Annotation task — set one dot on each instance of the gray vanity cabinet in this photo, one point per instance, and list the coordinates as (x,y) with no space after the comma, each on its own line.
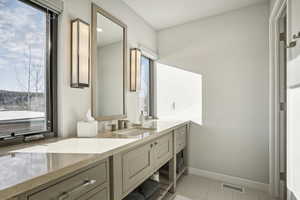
(134,166)
(163,150)
(119,174)
(141,162)
(137,164)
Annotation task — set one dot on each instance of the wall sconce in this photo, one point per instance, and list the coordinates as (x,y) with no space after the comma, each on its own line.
(80,58)
(135,69)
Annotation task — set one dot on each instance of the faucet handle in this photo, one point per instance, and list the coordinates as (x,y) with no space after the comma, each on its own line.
(120,124)
(113,127)
(126,123)
(296,36)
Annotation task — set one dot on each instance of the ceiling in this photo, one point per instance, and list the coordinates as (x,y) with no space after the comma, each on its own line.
(162,14)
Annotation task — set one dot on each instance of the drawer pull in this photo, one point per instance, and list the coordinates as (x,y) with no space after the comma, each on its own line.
(67,195)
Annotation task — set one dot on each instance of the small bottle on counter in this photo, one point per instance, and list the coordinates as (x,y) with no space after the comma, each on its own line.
(126,124)
(142,118)
(120,124)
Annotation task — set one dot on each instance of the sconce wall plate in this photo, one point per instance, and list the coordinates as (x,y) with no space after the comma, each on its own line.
(80,50)
(135,69)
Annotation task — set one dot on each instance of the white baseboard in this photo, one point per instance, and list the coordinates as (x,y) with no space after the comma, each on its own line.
(229,179)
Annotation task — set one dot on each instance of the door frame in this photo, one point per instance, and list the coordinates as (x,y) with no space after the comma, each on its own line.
(274,101)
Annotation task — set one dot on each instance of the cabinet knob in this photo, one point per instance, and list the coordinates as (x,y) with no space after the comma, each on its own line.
(292,44)
(80,188)
(151,145)
(296,36)
(155,143)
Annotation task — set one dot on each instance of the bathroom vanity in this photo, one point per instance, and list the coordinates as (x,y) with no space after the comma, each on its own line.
(111,165)
(47,171)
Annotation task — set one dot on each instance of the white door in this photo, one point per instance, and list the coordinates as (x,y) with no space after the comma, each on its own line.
(293,102)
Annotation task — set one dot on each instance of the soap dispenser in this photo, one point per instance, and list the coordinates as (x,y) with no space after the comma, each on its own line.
(142,118)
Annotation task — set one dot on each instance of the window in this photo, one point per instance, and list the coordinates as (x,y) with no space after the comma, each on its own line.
(145,94)
(27,69)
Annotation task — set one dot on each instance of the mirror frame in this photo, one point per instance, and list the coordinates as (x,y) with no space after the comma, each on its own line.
(95,10)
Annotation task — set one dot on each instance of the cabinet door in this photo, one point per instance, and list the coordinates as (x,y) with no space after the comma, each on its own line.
(163,150)
(180,135)
(137,164)
(293,69)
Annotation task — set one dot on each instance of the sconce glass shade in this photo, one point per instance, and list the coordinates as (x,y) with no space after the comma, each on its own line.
(135,69)
(80,66)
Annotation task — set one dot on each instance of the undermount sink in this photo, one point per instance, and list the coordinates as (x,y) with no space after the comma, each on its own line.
(134,133)
(149,125)
(137,131)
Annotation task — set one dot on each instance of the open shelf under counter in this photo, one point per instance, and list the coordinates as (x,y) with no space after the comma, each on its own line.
(165,186)
(184,169)
(168,196)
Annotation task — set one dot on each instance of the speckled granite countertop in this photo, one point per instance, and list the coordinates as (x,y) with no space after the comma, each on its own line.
(25,167)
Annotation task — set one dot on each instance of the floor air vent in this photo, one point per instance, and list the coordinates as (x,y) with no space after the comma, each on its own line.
(232,187)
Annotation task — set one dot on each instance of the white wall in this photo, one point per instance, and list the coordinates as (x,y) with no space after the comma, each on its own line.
(231,53)
(74,103)
(272,3)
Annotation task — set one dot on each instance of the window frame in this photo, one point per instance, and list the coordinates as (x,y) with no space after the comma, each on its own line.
(51,81)
(151,85)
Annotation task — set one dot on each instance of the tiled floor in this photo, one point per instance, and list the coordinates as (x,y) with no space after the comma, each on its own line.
(197,188)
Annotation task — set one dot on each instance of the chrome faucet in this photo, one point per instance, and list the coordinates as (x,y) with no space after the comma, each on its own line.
(122,124)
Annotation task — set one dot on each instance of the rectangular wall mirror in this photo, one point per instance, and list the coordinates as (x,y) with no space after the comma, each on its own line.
(109,52)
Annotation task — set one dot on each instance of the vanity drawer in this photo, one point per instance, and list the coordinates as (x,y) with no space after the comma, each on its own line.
(98,193)
(163,150)
(74,187)
(180,135)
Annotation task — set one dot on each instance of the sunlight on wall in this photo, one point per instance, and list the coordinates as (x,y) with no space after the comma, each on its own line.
(179,94)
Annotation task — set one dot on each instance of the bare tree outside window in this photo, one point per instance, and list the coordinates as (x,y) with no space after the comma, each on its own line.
(34,82)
